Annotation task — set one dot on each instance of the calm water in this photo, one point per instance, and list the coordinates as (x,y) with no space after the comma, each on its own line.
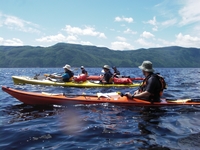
(101,126)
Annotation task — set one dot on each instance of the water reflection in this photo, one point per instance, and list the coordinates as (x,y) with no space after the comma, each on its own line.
(23,112)
(150,117)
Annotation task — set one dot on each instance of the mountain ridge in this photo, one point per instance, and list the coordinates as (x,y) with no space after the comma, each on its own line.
(93,56)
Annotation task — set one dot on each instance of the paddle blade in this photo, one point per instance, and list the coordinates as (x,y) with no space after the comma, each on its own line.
(178,100)
(46,75)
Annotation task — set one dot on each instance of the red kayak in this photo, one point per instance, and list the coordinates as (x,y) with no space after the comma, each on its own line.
(43,98)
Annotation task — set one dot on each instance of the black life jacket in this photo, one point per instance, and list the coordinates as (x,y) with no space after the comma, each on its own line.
(108,77)
(71,74)
(116,72)
(161,81)
(84,72)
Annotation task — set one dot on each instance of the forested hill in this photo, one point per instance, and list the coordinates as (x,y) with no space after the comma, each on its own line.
(92,56)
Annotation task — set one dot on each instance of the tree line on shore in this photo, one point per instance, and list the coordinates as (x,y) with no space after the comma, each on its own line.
(92,56)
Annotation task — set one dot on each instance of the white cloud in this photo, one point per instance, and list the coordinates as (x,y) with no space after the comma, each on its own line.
(165,43)
(129,31)
(53,38)
(1,39)
(181,40)
(190,13)
(155,28)
(144,43)
(120,19)
(197,29)
(121,38)
(147,35)
(169,22)
(102,35)
(187,40)
(121,46)
(11,42)
(86,43)
(15,23)
(152,22)
(71,38)
(61,38)
(89,31)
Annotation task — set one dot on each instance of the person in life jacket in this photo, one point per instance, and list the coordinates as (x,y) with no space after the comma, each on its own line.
(67,76)
(108,76)
(83,71)
(116,72)
(151,87)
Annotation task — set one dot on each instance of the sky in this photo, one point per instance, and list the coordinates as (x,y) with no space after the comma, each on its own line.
(115,24)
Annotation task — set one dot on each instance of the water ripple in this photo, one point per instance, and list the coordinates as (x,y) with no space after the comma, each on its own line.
(101,126)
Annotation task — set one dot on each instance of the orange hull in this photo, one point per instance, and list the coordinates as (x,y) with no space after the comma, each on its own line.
(34,98)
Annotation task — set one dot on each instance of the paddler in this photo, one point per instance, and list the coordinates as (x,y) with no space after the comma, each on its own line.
(116,72)
(108,76)
(67,76)
(151,87)
(83,71)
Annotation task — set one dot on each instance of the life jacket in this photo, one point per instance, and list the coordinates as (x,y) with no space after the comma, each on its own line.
(71,74)
(80,78)
(84,72)
(108,77)
(116,73)
(161,80)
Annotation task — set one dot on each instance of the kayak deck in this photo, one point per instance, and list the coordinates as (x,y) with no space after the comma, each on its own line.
(34,98)
(28,80)
(97,78)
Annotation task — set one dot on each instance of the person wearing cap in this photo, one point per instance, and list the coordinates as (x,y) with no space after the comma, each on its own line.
(150,88)
(116,72)
(67,76)
(83,71)
(108,76)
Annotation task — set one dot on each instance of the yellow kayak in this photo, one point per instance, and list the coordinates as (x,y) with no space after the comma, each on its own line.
(29,80)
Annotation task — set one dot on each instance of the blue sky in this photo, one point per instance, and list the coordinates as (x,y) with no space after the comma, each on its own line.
(115,24)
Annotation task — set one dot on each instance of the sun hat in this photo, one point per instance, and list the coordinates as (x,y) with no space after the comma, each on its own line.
(146,66)
(82,67)
(106,67)
(68,67)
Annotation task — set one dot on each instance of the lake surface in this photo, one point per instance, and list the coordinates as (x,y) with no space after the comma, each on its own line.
(102,126)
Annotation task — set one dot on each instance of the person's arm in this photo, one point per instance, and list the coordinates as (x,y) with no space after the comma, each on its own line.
(142,95)
(55,77)
(149,89)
